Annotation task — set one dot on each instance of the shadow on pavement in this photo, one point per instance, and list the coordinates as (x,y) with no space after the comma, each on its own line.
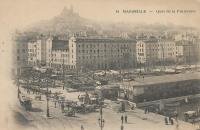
(20,119)
(36,110)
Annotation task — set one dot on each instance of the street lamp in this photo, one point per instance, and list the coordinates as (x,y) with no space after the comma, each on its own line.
(101,120)
(47,96)
(63,72)
(140,67)
(18,91)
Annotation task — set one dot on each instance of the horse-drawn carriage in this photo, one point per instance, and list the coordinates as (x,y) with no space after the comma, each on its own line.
(69,112)
(25,102)
(38,97)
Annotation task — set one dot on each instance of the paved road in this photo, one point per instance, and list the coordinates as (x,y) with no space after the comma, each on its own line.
(136,119)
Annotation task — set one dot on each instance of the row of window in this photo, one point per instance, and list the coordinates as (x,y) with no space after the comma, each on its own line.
(97,57)
(62,55)
(100,63)
(60,60)
(32,50)
(141,58)
(142,50)
(158,45)
(166,45)
(98,51)
(31,54)
(97,45)
(23,51)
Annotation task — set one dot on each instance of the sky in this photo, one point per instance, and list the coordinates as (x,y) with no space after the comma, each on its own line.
(20,13)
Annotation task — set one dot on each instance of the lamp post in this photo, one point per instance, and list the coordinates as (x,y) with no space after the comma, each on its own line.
(140,67)
(18,91)
(47,96)
(101,120)
(63,73)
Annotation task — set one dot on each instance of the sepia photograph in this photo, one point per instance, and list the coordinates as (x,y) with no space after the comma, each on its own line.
(100,64)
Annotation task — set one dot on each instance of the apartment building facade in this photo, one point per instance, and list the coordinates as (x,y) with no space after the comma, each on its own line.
(20,56)
(102,53)
(37,52)
(166,51)
(188,52)
(147,51)
(83,53)
(60,55)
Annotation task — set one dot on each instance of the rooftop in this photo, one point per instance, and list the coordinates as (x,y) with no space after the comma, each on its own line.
(59,44)
(165,79)
(183,42)
(86,39)
(110,86)
(149,41)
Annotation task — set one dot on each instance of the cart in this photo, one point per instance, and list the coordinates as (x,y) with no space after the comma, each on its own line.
(69,112)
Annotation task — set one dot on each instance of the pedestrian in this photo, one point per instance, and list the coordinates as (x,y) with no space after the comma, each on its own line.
(18,93)
(68,106)
(176,115)
(122,127)
(62,107)
(122,119)
(193,122)
(125,118)
(171,121)
(145,110)
(82,128)
(55,104)
(186,100)
(166,121)
(170,118)
(157,110)
(177,125)
(132,107)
